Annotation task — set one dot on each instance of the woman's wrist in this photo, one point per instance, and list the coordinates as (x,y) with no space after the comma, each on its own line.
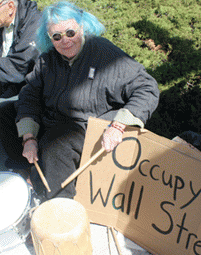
(120,126)
(28,137)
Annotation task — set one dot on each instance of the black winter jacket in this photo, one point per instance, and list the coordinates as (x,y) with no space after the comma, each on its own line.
(56,91)
(23,53)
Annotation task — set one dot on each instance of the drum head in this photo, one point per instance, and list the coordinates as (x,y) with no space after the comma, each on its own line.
(14,197)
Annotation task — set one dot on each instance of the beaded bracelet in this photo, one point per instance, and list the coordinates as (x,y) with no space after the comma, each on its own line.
(29,138)
(114,125)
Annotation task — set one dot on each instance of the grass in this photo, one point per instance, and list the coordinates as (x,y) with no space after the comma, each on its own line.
(164,36)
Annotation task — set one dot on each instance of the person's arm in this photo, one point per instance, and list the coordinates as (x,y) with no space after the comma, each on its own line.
(30,148)
(124,116)
(28,129)
(30,103)
(113,135)
(15,66)
(21,57)
(140,96)
(29,110)
(27,125)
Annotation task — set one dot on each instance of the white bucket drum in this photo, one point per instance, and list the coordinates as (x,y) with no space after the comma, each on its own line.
(16,200)
(60,226)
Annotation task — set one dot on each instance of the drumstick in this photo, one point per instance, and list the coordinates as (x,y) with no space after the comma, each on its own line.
(115,240)
(42,176)
(81,169)
(109,238)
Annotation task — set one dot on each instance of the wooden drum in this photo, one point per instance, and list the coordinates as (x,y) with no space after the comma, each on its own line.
(60,226)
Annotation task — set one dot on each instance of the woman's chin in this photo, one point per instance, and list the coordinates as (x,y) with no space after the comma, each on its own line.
(69,54)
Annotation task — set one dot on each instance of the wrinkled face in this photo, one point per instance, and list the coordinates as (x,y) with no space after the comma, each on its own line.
(67,46)
(7,11)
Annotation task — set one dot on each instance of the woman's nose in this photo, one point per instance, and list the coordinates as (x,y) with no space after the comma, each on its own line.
(65,38)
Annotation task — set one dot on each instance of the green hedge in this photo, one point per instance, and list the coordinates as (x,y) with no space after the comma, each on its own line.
(164,36)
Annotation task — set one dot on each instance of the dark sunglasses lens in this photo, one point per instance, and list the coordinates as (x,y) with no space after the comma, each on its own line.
(56,37)
(70,33)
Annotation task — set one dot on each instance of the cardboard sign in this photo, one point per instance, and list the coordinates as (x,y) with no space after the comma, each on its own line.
(148,188)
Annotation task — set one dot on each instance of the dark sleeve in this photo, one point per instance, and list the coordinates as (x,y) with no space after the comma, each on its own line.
(134,89)
(30,103)
(15,66)
(144,97)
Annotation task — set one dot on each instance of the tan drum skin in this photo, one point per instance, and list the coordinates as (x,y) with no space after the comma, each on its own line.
(60,226)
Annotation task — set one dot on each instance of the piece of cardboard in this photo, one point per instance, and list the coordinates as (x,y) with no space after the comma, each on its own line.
(148,188)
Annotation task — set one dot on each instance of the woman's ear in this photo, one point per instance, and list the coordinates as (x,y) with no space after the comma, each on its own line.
(12,8)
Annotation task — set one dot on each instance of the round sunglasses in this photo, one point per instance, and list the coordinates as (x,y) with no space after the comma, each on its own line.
(69,33)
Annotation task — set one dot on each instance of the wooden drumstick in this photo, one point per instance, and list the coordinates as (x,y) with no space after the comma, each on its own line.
(115,240)
(109,239)
(42,176)
(81,169)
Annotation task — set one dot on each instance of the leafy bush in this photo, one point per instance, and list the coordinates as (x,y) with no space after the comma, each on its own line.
(164,36)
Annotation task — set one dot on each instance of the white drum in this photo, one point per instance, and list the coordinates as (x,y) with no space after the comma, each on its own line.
(16,200)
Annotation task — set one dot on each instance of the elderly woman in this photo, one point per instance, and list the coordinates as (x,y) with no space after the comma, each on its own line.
(79,74)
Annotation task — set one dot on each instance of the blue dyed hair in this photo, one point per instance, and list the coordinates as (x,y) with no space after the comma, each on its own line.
(62,11)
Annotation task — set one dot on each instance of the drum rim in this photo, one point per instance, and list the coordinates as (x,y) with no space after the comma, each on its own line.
(12,226)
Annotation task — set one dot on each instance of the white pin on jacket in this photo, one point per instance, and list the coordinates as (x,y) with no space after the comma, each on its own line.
(91,73)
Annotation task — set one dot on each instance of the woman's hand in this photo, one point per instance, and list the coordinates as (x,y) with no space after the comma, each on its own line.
(30,150)
(113,136)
